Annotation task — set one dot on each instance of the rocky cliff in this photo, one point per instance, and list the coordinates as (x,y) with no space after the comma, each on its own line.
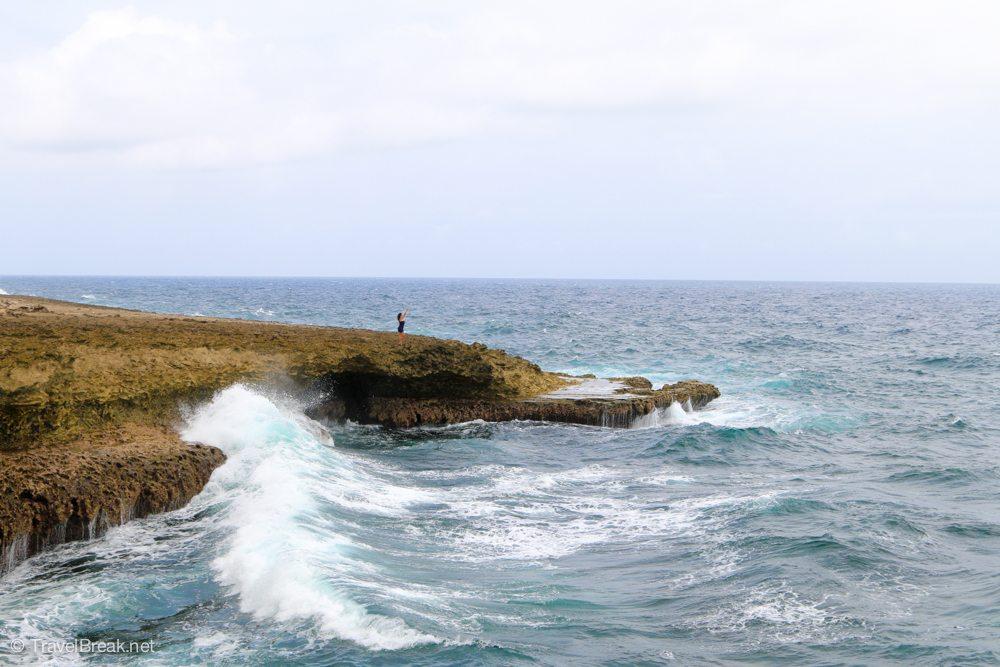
(51,495)
(89,397)
(619,410)
(69,368)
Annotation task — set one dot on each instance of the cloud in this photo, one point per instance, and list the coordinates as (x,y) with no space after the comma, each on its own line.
(121,82)
(141,89)
(146,90)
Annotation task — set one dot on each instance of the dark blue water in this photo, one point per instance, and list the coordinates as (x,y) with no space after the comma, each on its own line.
(839,505)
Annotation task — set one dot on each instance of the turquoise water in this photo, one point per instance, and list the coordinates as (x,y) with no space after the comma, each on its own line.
(839,505)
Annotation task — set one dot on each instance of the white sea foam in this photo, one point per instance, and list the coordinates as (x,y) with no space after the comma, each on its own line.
(779,613)
(672,414)
(222,645)
(291,561)
(275,561)
(557,528)
(557,514)
(3,291)
(80,604)
(47,609)
(731,411)
(87,296)
(357,487)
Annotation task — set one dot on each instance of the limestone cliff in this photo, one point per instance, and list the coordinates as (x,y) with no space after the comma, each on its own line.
(621,409)
(67,368)
(89,397)
(51,495)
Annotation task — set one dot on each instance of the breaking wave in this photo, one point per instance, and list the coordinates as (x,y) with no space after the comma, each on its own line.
(748,413)
(282,550)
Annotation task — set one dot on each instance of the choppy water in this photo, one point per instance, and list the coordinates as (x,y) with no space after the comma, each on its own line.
(839,505)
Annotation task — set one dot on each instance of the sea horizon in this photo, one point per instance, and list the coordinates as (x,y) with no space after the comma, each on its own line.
(508,278)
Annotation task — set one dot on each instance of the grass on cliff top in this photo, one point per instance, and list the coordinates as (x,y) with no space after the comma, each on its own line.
(66,367)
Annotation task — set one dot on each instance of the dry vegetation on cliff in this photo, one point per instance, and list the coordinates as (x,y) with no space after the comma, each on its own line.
(68,368)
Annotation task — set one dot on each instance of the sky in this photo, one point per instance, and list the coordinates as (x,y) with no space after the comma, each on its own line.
(769,140)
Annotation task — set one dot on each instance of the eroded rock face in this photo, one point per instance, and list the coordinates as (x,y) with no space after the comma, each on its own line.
(621,411)
(77,491)
(88,396)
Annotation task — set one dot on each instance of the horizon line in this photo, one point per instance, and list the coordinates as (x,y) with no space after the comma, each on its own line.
(497,278)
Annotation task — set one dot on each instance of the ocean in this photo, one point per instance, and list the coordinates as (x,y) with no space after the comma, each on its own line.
(840,504)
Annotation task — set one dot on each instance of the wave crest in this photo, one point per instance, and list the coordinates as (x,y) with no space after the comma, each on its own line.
(275,559)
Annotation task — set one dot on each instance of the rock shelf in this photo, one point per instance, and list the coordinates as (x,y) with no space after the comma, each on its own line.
(90,398)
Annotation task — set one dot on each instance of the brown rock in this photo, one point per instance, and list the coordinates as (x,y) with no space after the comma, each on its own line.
(78,490)
(616,412)
(68,368)
(634,382)
(88,395)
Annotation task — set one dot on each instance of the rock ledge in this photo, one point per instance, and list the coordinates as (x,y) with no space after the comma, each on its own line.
(89,397)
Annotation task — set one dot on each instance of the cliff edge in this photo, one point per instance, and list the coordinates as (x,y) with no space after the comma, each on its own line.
(90,397)
(68,368)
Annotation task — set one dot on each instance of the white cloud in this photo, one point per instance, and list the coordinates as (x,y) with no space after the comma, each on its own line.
(150,90)
(121,81)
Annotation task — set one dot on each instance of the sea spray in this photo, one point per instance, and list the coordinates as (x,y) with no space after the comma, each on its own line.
(826,510)
(672,414)
(275,558)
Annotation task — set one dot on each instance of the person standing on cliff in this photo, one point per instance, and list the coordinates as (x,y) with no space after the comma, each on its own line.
(401,319)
